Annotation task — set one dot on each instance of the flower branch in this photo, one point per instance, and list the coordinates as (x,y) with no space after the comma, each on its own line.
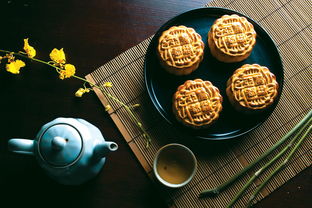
(128,108)
(65,70)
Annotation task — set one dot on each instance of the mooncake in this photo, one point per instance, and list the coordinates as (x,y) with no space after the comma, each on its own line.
(231,38)
(252,88)
(197,103)
(180,50)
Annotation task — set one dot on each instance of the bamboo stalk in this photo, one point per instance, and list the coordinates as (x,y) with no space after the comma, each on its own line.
(267,165)
(217,190)
(279,168)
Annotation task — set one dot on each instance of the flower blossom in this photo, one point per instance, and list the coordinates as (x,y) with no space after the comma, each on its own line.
(15,66)
(107,84)
(58,56)
(31,52)
(107,107)
(68,71)
(81,91)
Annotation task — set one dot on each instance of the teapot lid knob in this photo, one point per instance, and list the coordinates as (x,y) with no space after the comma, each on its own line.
(60,145)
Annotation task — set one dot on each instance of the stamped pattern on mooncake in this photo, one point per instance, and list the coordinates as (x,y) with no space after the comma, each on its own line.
(233,35)
(180,46)
(197,103)
(254,86)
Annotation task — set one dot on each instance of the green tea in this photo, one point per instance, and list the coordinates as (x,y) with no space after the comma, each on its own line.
(175,165)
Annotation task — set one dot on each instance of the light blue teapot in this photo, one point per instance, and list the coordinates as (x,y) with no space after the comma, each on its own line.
(71,151)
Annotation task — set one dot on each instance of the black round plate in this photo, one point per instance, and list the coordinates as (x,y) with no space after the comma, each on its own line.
(161,85)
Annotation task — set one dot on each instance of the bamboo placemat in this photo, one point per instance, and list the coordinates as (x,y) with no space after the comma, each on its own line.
(289,24)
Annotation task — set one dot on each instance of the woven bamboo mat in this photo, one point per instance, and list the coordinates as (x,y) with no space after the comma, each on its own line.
(289,24)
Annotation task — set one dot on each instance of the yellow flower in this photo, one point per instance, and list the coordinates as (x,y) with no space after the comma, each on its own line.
(58,56)
(81,91)
(10,57)
(15,66)
(107,84)
(136,105)
(31,52)
(68,71)
(107,107)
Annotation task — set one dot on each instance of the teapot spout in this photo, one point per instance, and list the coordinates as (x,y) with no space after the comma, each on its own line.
(102,149)
(22,146)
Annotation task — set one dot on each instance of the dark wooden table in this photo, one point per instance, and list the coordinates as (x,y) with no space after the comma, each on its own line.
(91,32)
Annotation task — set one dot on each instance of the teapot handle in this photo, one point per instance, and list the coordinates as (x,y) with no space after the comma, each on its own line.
(22,146)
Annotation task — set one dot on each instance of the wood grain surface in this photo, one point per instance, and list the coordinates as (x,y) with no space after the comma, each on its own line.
(91,32)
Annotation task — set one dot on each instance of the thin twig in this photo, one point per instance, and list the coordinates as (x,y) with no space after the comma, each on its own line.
(34,59)
(134,118)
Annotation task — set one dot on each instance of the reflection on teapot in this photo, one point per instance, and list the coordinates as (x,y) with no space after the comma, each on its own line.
(71,151)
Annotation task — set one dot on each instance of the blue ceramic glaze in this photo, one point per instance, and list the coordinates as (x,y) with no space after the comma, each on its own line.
(71,151)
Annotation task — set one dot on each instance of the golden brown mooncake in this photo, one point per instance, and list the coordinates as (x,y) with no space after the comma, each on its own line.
(180,50)
(231,38)
(197,103)
(252,88)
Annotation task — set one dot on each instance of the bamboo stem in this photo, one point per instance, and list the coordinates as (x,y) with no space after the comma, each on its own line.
(267,165)
(279,168)
(216,191)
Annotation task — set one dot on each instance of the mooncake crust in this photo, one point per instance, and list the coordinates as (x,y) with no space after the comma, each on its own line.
(231,38)
(197,103)
(180,50)
(252,88)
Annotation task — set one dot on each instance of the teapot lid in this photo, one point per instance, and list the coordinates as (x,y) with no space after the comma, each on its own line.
(60,145)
